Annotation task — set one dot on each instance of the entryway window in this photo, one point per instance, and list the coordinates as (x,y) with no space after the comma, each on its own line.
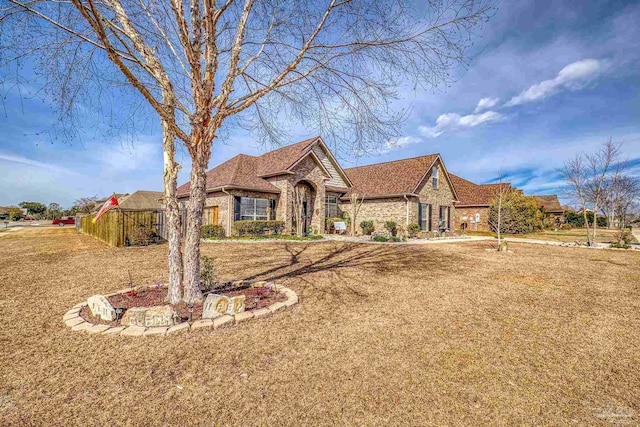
(331,206)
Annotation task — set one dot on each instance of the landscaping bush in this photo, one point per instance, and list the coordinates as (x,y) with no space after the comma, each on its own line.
(577,219)
(391,227)
(208,273)
(382,238)
(213,232)
(622,240)
(367,227)
(413,229)
(140,236)
(258,228)
(520,214)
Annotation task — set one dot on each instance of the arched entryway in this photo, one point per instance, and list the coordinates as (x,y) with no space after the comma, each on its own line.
(304,196)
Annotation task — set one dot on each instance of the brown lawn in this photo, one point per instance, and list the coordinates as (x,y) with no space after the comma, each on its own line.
(603,235)
(448,334)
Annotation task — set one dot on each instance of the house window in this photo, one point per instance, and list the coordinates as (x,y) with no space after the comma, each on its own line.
(434,178)
(331,207)
(443,218)
(249,208)
(424,216)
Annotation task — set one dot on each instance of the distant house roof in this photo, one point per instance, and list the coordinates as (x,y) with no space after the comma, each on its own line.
(472,194)
(550,203)
(250,172)
(142,200)
(394,178)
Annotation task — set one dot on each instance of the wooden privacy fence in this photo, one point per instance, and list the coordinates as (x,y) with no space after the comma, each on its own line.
(116,227)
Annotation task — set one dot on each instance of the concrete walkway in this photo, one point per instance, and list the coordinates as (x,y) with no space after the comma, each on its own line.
(636,233)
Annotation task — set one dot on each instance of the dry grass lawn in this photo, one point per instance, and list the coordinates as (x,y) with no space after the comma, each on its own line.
(447,334)
(603,235)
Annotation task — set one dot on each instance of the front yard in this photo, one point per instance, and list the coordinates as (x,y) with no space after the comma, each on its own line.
(603,235)
(449,334)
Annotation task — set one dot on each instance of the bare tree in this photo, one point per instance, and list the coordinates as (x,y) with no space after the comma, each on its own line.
(356,203)
(576,174)
(500,215)
(620,192)
(205,67)
(299,195)
(599,166)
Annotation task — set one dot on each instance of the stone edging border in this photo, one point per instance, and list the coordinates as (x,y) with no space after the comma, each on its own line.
(73,320)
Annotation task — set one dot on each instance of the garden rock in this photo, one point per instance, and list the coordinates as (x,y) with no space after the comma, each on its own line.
(100,306)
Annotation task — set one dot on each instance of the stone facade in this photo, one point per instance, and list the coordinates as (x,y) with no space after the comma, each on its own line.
(395,209)
(379,211)
(443,195)
(464,215)
(307,171)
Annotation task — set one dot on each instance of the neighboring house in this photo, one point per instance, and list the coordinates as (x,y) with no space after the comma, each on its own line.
(141,200)
(550,206)
(472,210)
(263,187)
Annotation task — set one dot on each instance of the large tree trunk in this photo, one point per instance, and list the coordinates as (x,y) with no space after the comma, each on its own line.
(195,206)
(174,294)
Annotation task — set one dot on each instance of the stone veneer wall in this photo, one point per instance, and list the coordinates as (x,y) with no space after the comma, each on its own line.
(379,211)
(307,170)
(441,196)
(470,212)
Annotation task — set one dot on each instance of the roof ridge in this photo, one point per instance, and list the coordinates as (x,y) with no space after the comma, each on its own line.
(392,161)
(308,140)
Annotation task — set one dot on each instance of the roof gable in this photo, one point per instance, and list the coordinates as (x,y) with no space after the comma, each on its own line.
(391,178)
(549,202)
(438,161)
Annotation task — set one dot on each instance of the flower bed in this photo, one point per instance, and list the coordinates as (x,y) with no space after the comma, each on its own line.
(258,304)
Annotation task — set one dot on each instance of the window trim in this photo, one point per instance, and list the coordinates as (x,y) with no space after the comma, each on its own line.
(238,216)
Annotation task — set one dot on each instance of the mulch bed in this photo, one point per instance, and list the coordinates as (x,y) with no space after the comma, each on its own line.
(151,297)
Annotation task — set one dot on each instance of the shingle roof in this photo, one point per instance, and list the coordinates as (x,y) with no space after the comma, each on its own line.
(240,171)
(142,200)
(549,202)
(472,194)
(280,160)
(396,177)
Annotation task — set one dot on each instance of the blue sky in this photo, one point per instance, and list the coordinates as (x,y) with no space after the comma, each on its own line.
(549,79)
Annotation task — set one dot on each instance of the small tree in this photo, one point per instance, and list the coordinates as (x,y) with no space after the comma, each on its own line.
(356,204)
(519,214)
(33,208)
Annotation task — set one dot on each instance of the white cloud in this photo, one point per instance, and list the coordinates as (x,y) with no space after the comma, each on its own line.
(486,104)
(452,121)
(572,77)
(34,163)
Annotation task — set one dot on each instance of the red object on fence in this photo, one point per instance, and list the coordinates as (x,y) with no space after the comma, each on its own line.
(111,203)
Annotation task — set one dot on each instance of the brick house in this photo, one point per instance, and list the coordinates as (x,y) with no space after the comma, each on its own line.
(472,209)
(550,206)
(262,187)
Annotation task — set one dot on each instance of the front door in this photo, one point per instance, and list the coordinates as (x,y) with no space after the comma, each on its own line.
(305,218)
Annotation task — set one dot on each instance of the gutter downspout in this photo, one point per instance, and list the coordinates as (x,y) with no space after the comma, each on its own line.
(229,201)
(407,219)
